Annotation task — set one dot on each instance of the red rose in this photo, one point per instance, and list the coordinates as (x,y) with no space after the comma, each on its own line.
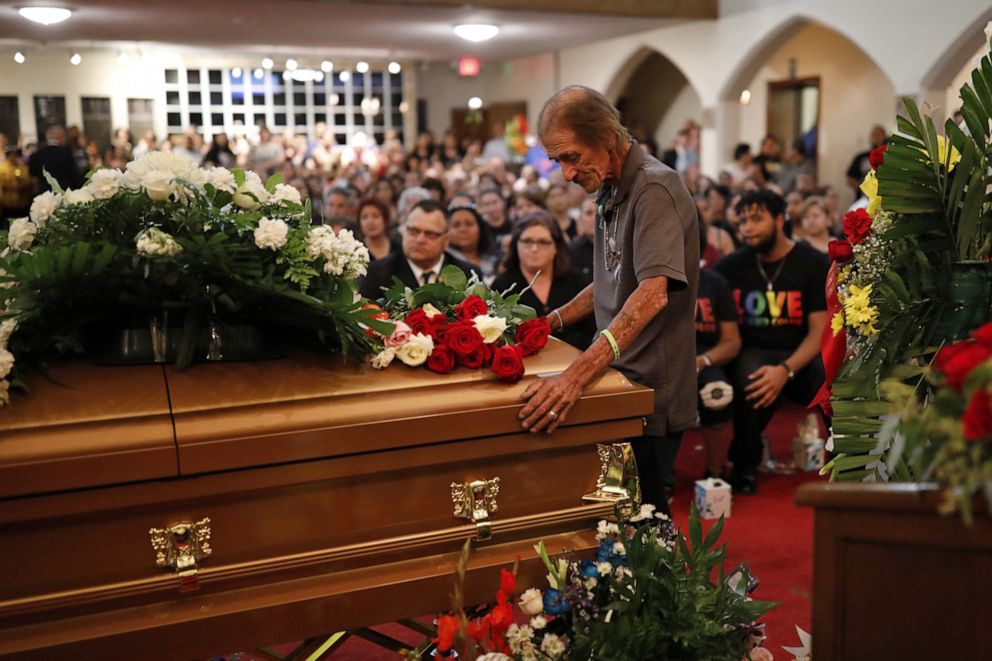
(441,360)
(508,363)
(839,250)
(471,308)
(977,419)
(956,361)
(440,325)
(532,335)
(507,582)
(876,156)
(984,335)
(474,359)
(857,225)
(463,337)
(419,323)
(447,629)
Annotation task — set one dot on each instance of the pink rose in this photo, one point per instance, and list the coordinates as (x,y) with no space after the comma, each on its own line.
(401,333)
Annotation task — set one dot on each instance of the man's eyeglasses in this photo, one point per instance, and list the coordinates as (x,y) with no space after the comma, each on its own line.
(536,243)
(414,232)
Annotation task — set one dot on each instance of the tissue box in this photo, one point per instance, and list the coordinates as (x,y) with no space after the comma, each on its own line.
(713,498)
(808,454)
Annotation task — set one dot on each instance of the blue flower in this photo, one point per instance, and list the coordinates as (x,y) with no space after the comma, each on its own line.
(554,602)
(589,569)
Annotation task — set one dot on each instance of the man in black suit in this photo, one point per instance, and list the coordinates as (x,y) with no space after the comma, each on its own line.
(425,237)
(58,159)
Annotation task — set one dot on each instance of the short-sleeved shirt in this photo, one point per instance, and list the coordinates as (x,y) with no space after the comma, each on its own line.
(648,228)
(714,305)
(776,317)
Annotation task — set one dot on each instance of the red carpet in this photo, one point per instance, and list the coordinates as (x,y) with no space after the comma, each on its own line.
(766,530)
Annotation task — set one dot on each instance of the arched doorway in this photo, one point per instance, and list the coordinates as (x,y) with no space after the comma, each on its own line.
(654,97)
(941,85)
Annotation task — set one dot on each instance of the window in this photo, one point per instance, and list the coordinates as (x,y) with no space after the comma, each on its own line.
(10,118)
(96,120)
(140,116)
(49,111)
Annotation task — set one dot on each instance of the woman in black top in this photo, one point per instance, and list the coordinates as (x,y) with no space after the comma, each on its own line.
(538,254)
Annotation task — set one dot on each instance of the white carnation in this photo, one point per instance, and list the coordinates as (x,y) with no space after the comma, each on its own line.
(538,622)
(343,254)
(531,602)
(159,185)
(271,233)
(646,512)
(519,639)
(416,350)
(7,328)
(491,328)
(284,193)
(21,234)
(104,183)
(618,549)
(43,207)
(221,179)
(382,359)
(553,646)
(605,528)
(251,194)
(6,362)
(604,568)
(179,167)
(80,196)
(156,243)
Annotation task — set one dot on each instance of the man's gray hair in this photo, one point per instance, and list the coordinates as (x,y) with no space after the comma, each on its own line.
(408,200)
(589,115)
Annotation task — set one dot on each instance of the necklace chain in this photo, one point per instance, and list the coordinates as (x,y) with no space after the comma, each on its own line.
(778,272)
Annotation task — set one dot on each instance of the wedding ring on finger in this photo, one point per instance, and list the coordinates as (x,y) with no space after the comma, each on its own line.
(553,415)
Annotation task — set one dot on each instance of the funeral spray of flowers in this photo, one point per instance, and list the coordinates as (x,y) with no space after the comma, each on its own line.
(458,322)
(649,593)
(912,275)
(204,245)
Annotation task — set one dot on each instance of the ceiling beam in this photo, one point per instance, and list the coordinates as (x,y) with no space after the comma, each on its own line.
(665,9)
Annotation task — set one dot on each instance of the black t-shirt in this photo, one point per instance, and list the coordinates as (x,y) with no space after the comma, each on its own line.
(776,318)
(860,165)
(714,305)
(563,289)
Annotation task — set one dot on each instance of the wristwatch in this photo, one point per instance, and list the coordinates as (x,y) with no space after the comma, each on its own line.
(788,369)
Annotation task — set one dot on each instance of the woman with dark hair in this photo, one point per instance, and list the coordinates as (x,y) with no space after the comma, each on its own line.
(373,228)
(539,256)
(469,239)
(220,154)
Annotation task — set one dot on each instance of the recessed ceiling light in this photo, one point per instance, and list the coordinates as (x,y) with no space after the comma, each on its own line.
(45,15)
(476,31)
(292,64)
(327,66)
(258,73)
(362,67)
(236,72)
(19,57)
(394,67)
(75,59)
(475,103)
(344,76)
(267,62)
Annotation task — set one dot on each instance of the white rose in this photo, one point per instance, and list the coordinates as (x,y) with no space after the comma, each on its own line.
(416,350)
(21,234)
(158,184)
(271,233)
(532,602)
(7,329)
(6,362)
(251,194)
(430,310)
(104,183)
(381,360)
(284,193)
(43,207)
(222,179)
(81,196)
(553,646)
(491,328)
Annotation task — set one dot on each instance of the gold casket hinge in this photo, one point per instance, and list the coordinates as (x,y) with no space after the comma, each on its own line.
(181,547)
(618,480)
(475,501)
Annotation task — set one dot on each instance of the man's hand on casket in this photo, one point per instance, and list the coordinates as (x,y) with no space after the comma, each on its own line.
(548,402)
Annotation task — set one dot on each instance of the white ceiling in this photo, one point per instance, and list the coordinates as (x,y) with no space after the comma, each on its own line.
(311,27)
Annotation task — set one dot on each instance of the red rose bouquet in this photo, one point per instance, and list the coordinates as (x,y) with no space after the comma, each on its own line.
(948,438)
(459,322)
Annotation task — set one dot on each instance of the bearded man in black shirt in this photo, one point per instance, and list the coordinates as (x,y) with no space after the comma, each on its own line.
(778,287)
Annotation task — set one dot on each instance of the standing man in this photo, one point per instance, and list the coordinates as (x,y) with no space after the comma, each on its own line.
(645,275)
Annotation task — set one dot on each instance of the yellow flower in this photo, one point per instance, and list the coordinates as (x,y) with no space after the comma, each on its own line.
(837,323)
(843,274)
(942,145)
(858,309)
(870,188)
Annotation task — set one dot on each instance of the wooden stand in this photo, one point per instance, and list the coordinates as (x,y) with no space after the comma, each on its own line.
(893,578)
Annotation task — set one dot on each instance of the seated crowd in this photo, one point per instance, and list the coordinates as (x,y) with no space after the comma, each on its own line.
(764,229)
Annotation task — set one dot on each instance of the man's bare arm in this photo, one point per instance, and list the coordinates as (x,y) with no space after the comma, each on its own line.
(577,309)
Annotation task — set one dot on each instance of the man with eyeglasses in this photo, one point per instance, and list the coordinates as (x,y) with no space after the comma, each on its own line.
(425,238)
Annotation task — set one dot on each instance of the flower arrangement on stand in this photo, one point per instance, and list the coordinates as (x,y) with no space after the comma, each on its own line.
(648,594)
(203,246)
(458,322)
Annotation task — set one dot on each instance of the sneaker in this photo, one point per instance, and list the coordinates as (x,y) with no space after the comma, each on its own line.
(744,482)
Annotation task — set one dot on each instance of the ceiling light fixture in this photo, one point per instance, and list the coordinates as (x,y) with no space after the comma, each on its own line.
(327,66)
(303,75)
(292,64)
(476,31)
(344,76)
(45,15)
(745,97)
(258,74)
(75,59)
(394,67)
(19,57)
(236,72)
(267,63)
(475,103)
(362,67)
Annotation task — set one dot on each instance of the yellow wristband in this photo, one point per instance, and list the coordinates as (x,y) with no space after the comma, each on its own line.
(613,343)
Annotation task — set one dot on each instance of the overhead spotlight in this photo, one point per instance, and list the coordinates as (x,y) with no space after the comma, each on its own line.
(75,59)
(122,57)
(475,103)
(258,74)
(476,31)
(236,72)
(19,57)
(745,97)
(344,76)
(267,62)
(45,15)
(327,66)
(362,67)
(291,64)
(394,67)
